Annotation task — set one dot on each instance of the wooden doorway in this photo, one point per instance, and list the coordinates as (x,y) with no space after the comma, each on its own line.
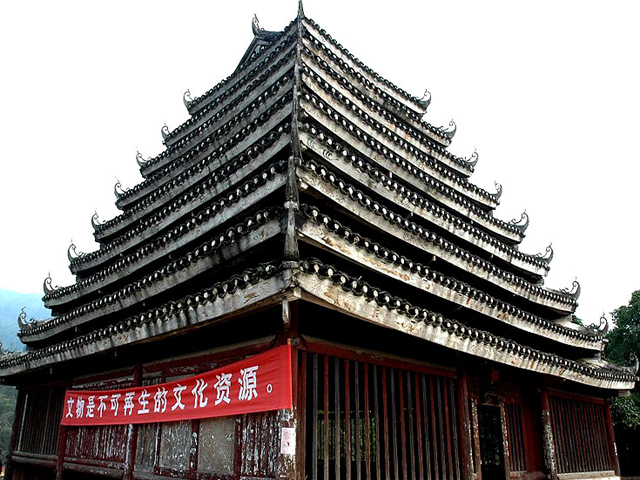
(491,442)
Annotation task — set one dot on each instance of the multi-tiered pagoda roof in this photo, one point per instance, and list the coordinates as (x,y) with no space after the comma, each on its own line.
(308,177)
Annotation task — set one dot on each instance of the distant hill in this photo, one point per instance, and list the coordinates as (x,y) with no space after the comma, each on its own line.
(10,305)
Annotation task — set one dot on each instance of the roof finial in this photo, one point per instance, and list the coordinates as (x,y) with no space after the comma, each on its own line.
(300,9)
(255,25)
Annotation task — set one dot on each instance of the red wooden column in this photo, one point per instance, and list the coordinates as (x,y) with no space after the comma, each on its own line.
(291,461)
(464,426)
(547,436)
(613,452)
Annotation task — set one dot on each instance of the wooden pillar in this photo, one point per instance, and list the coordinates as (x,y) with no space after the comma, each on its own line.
(464,426)
(291,458)
(132,432)
(8,471)
(547,436)
(613,452)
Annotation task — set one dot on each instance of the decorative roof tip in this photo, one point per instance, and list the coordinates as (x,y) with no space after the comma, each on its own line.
(255,26)
(95,223)
(575,290)
(165,131)
(186,98)
(496,196)
(72,254)
(547,256)
(449,131)
(23,322)
(472,161)
(521,224)
(603,328)
(47,285)
(635,365)
(141,160)
(300,9)
(118,191)
(425,100)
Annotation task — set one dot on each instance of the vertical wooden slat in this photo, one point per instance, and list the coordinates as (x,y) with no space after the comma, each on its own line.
(367,423)
(403,433)
(455,459)
(426,430)
(434,434)
(394,425)
(358,435)
(385,417)
(376,409)
(302,413)
(418,425)
(444,471)
(505,444)
(447,427)
(314,419)
(466,451)
(336,416)
(326,427)
(613,454)
(412,456)
(347,418)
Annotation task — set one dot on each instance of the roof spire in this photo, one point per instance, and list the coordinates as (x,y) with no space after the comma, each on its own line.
(300,9)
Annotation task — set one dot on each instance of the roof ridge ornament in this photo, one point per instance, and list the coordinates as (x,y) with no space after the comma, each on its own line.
(23,322)
(449,131)
(603,328)
(47,285)
(472,161)
(300,9)
(255,25)
(496,196)
(142,162)
(635,365)
(425,101)
(575,290)
(522,224)
(165,131)
(547,256)
(95,221)
(118,190)
(72,253)
(186,98)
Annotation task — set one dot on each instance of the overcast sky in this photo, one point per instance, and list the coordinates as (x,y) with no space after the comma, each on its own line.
(547,91)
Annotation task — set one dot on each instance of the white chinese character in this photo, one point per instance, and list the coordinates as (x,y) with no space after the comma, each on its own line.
(101,405)
(115,403)
(248,383)
(177,394)
(222,388)
(199,400)
(69,408)
(142,400)
(79,407)
(160,400)
(128,403)
(90,407)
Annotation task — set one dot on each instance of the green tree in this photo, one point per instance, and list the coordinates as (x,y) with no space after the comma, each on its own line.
(624,349)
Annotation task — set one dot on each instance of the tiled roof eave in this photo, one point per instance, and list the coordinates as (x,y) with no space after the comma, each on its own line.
(330,234)
(277,111)
(408,231)
(165,174)
(254,288)
(210,254)
(337,290)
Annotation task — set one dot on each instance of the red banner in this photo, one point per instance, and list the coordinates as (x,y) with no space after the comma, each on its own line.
(257,384)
